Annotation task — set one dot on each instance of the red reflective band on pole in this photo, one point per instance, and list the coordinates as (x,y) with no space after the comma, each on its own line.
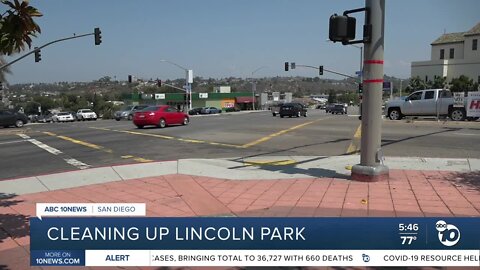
(373,81)
(377,62)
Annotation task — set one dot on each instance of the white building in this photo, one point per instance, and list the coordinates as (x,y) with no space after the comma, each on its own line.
(222,89)
(453,54)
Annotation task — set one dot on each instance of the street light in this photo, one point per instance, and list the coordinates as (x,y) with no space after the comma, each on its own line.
(188,87)
(254,86)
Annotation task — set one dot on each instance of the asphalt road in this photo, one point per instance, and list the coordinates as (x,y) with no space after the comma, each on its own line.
(55,147)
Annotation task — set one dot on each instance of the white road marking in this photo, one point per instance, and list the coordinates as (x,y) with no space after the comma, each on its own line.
(45,147)
(466,134)
(74,162)
(77,163)
(17,141)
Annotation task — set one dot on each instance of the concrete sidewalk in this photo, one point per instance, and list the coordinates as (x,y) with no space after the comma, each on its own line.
(254,186)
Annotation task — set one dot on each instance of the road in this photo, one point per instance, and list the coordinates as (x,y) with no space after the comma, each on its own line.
(55,147)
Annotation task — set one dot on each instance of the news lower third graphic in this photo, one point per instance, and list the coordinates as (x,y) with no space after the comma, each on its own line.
(121,235)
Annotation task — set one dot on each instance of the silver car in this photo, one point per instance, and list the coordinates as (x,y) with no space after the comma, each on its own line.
(128,112)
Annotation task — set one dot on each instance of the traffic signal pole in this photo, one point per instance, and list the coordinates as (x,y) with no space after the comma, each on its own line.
(371,168)
(37,49)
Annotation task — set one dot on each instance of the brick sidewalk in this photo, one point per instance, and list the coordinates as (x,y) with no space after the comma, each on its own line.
(405,194)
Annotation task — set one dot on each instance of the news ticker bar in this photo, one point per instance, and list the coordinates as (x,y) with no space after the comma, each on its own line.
(218,233)
(432,258)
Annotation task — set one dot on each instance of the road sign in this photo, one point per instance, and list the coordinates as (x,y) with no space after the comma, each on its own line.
(386,85)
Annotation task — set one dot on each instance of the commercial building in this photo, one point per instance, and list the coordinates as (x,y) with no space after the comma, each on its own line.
(269,99)
(240,100)
(453,54)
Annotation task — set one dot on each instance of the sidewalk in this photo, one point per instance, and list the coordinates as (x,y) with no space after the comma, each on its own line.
(255,186)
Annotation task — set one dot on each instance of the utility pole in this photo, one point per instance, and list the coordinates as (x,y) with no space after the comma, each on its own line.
(370,169)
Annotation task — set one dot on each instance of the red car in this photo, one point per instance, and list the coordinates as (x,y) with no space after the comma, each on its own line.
(160,116)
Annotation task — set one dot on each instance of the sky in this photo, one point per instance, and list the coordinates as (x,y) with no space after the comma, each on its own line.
(225,38)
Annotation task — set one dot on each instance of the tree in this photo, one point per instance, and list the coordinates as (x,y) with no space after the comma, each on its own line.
(439,82)
(16,29)
(463,84)
(17,26)
(332,98)
(416,84)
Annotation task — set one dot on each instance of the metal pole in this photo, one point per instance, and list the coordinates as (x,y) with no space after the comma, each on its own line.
(254,88)
(400,91)
(370,169)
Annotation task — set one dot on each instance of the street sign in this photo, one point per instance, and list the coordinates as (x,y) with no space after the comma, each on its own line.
(386,85)
(203,95)
(159,96)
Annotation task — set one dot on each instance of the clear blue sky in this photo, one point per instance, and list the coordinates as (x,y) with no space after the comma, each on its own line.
(223,38)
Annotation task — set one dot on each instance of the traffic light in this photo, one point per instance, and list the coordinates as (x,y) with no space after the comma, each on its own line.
(159,83)
(1,85)
(320,70)
(38,55)
(341,28)
(360,88)
(129,78)
(286,66)
(98,37)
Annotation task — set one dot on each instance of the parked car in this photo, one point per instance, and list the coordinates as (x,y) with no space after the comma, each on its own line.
(11,118)
(292,109)
(128,112)
(63,117)
(232,109)
(195,111)
(321,106)
(86,114)
(160,116)
(338,108)
(45,118)
(210,110)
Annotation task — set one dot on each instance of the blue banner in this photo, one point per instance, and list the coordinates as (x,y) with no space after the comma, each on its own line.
(254,233)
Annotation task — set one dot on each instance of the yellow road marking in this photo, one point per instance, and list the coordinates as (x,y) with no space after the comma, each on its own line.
(270,162)
(355,144)
(96,147)
(271,136)
(169,137)
(50,133)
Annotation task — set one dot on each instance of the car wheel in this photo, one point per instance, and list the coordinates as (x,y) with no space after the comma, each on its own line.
(130,117)
(274,114)
(281,116)
(162,123)
(185,121)
(305,115)
(457,115)
(118,119)
(395,114)
(19,123)
(140,127)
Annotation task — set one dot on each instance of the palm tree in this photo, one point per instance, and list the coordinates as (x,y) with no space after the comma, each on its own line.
(17,28)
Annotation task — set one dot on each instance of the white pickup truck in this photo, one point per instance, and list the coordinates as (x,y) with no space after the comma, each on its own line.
(429,102)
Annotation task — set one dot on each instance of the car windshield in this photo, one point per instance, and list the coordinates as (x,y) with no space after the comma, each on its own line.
(128,108)
(63,113)
(86,111)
